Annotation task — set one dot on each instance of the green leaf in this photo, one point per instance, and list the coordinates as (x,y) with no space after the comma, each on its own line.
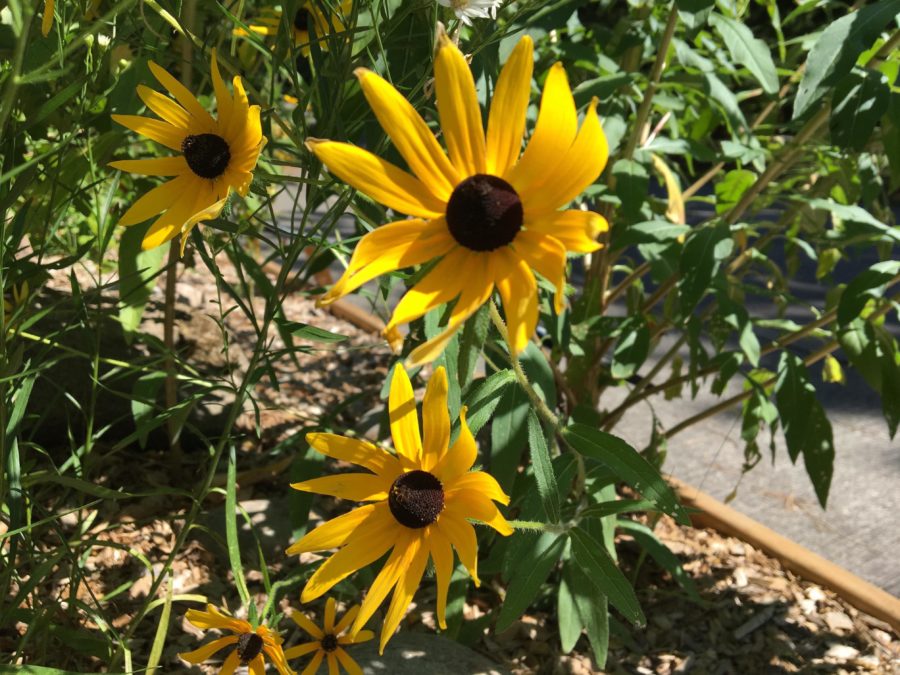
(539,373)
(890,394)
(698,264)
(471,342)
(509,435)
(866,285)
(632,186)
(807,430)
(137,272)
(528,576)
(593,610)
(567,617)
(485,397)
(648,232)
(143,403)
(626,463)
(603,573)
(732,187)
(693,6)
(631,349)
(860,99)
(39,670)
(543,469)
(644,536)
(854,214)
(231,532)
(838,48)
(313,333)
(87,487)
(860,344)
(612,508)
(750,52)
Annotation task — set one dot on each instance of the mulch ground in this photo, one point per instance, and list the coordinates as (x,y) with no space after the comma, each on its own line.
(753,617)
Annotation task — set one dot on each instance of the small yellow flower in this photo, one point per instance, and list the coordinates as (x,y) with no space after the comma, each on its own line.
(47,18)
(330,642)
(491,216)
(217,155)
(268,23)
(421,500)
(250,645)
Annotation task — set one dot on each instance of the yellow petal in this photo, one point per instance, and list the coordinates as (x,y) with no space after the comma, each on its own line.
(580,166)
(187,100)
(478,482)
(231,664)
(407,545)
(675,211)
(435,419)
(403,594)
(575,229)
(391,247)
(509,107)
(442,555)
(518,289)
(554,132)
(307,624)
(547,256)
(441,285)
(334,532)
(170,223)
(332,664)
(360,637)
(158,166)
(314,664)
(461,534)
(410,134)
(460,458)
(356,451)
(200,655)
(365,547)
(213,618)
(346,620)
(301,650)
(156,201)
(479,507)
(329,615)
(47,18)
(257,666)
(458,108)
(156,130)
(478,283)
(384,182)
(351,666)
(224,103)
(165,107)
(206,213)
(357,487)
(278,659)
(404,419)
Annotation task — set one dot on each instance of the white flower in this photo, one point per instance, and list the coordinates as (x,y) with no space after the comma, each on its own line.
(466,10)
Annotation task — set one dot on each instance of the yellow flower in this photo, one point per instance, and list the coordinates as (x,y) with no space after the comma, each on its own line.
(17,297)
(421,500)
(490,215)
(217,155)
(268,23)
(250,644)
(330,643)
(47,18)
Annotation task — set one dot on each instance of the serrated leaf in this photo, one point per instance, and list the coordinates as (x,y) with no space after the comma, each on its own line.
(838,48)
(527,577)
(543,469)
(627,464)
(602,571)
(750,52)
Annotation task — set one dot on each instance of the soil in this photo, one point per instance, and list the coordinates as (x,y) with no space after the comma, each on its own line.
(753,617)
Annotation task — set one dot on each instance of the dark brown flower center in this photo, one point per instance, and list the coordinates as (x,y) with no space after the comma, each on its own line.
(416,499)
(329,642)
(248,647)
(207,154)
(301,19)
(484,213)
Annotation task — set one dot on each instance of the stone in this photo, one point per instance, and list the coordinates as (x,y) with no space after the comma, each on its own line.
(838,621)
(417,653)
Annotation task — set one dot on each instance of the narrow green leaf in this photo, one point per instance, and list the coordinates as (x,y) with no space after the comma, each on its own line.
(87,487)
(627,464)
(616,507)
(543,469)
(162,628)
(483,400)
(593,610)
(838,48)
(644,536)
(313,333)
(231,532)
(750,52)
(603,572)
(631,349)
(860,99)
(863,287)
(567,617)
(698,265)
(530,573)
(509,436)
(632,186)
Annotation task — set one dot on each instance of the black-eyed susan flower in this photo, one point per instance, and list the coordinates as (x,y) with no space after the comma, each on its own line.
(329,642)
(251,645)
(420,501)
(307,13)
(217,155)
(491,216)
